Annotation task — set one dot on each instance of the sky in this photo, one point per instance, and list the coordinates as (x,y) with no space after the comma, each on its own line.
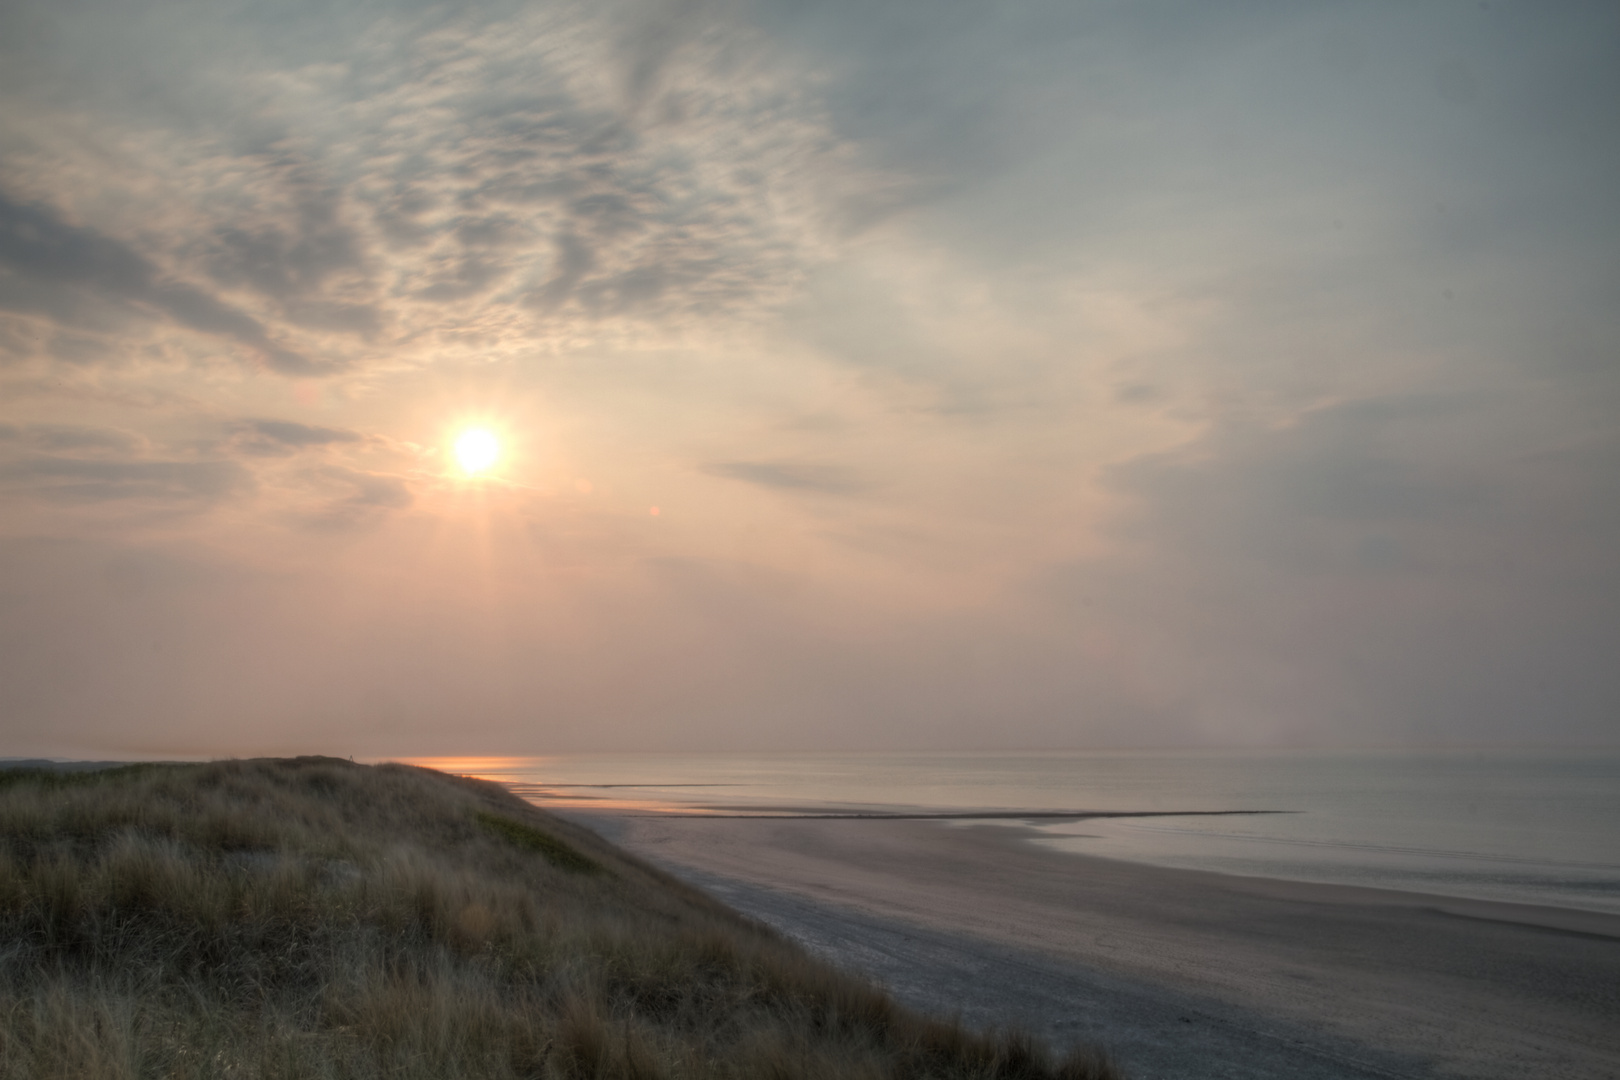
(923,375)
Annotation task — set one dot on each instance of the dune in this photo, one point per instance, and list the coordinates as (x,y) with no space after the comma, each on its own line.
(316,918)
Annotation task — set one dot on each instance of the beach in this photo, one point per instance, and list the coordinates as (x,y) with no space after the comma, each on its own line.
(1180,973)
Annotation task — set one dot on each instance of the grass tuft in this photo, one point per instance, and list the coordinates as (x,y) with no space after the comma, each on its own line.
(529,838)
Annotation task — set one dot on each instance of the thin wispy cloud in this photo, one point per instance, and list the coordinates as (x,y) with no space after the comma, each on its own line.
(789,476)
(288,436)
(79,480)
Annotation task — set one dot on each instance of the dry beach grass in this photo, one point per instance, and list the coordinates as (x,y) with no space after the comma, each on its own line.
(315,918)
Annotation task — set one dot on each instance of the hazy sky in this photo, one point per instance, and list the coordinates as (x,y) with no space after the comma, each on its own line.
(905,375)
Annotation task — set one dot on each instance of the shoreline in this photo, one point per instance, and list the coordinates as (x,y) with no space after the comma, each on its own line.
(1269,976)
(1552,916)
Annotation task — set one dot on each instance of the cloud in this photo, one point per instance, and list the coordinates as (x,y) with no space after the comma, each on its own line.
(1408,567)
(481,182)
(270,437)
(788,476)
(376,489)
(365,499)
(76,480)
(286,260)
(297,248)
(38,246)
(1448,473)
(70,438)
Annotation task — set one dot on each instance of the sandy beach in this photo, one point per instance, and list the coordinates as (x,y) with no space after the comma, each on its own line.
(1179,973)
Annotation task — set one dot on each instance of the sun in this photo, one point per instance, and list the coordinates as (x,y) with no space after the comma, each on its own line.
(477,449)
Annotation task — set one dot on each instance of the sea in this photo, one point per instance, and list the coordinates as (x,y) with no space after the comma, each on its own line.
(1533,827)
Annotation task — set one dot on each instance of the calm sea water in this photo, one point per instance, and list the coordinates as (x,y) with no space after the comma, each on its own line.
(1540,828)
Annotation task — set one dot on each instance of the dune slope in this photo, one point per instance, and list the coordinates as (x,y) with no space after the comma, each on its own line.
(316,918)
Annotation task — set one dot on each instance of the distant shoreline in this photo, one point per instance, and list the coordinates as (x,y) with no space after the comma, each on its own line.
(544,795)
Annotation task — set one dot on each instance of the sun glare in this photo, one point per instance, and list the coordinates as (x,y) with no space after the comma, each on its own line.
(477,449)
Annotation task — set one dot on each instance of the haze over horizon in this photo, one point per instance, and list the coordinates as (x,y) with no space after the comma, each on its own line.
(920,375)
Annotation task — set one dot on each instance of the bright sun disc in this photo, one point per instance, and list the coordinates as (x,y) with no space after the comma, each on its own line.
(477,450)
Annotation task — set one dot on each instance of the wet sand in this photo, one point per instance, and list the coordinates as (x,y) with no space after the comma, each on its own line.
(1179,973)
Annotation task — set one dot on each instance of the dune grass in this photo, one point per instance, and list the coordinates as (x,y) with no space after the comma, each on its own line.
(316,918)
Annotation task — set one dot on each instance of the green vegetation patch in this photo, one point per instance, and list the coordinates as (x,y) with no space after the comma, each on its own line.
(556,852)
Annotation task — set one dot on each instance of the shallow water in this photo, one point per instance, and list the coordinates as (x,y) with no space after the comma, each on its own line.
(1529,827)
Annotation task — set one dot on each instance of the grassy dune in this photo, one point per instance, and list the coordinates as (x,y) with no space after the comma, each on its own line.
(315,918)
